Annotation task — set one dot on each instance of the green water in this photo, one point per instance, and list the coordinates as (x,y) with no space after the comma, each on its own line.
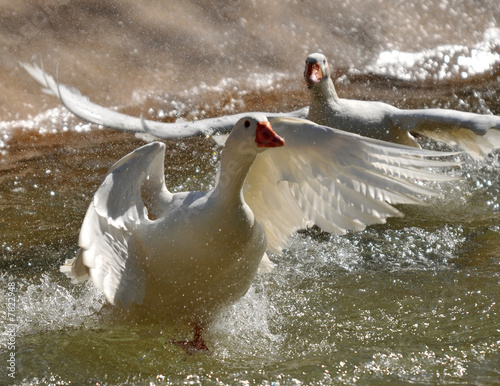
(413,301)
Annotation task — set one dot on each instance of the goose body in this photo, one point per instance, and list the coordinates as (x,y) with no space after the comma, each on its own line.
(211,238)
(187,255)
(475,133)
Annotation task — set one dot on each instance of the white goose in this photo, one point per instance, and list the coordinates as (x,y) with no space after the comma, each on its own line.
(475,133)
(187,255)
(82,107)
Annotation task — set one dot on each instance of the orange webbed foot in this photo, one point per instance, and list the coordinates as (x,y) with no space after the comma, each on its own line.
(196,345)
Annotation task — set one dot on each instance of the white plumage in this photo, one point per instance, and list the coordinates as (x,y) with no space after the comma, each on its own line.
(187,255)
(475,133)
(82,107)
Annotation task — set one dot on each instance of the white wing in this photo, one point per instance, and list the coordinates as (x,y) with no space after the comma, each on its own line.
(82,107)
(117,209)
(477,134)
(336,180)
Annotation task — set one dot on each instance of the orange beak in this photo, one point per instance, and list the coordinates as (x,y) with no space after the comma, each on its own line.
(266,137)
(313,74)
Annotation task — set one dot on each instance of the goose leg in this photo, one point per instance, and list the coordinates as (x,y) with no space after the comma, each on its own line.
(196,345)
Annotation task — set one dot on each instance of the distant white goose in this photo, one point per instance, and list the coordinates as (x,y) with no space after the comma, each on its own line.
(82,107)
(475,133)
(187,255)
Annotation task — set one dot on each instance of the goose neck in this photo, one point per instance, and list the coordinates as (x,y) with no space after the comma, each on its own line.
(234,167)
(324,92)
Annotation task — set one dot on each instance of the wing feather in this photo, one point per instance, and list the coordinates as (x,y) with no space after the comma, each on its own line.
(82,107)
(336,180)
(106,240)
(478,134)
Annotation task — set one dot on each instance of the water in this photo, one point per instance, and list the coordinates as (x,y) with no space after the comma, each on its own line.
(413,301)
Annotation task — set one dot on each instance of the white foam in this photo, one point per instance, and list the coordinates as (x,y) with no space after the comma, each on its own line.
(442,62)
(244,326)
(43,304)
(51,121)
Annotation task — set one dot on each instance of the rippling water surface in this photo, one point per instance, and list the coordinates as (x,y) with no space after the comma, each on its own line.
(415,300)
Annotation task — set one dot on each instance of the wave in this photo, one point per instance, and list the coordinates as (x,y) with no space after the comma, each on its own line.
(443,62)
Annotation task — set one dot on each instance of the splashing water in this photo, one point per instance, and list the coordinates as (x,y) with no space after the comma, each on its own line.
(441,63)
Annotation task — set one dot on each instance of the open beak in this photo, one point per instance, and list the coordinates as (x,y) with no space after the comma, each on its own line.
(313,74)
(266,137)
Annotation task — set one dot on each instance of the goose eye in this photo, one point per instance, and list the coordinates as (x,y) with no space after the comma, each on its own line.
(247,123)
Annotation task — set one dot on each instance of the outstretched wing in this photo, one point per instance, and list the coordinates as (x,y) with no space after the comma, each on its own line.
(477,134)
(107,251)
(82,107)
(336,180)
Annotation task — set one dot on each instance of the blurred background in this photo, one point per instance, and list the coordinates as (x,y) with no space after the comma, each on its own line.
(115,51)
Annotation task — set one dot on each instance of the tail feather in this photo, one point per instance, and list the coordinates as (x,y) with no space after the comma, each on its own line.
(75,269)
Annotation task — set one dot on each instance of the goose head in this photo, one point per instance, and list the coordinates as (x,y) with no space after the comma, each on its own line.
(253,134)
(250,136)
(316,70)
